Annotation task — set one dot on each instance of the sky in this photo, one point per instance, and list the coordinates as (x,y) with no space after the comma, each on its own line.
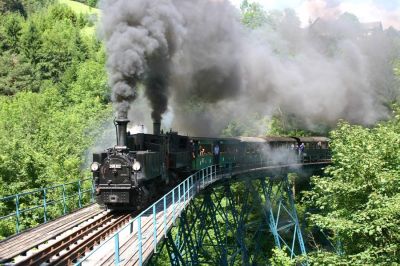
(385,11)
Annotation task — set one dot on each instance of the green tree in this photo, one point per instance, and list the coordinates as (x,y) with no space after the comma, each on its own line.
(23,7)
(233,129)
(12,6)
(253,14)
(91,83)
(280,258)
(58,50)
(12,32)
(32,6)
(92,3)
(16,74)
(53,97)
(358,201)
(62,12)
(249,125)
(31,43)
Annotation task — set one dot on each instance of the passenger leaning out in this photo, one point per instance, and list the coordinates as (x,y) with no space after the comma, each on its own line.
(301,148)
(202,151)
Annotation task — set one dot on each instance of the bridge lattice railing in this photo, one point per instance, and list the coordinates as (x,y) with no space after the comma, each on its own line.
(28,209)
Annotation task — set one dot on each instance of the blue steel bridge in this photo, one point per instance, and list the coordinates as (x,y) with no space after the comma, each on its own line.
(214,217)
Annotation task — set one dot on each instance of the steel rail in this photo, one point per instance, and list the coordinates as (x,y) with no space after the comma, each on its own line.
(87,244)
(18,246)
(45,254)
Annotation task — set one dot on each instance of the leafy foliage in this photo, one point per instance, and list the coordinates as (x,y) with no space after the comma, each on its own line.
(46,46)
(16,74)
(280,258)
(358,200)
(253,14)
(53,96)
(91,3)
(13,6)
(251,125)
(23,7)
(278,125)
(11,32)
(31,42)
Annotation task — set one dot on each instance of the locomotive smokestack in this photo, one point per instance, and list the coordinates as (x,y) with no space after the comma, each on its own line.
(156,127)
(121,124)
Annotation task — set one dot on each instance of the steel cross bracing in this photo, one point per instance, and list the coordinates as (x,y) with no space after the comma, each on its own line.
(209,220)
(235,223)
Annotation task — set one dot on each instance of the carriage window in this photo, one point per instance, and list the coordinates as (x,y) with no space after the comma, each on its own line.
(223,148)
(251,149)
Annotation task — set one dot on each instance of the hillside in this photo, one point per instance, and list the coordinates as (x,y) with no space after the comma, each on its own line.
(80,8)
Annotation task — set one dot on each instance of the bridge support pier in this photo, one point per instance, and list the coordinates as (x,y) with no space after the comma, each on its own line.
(235,222)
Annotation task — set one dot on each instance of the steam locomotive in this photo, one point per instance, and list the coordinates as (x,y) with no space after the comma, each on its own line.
(143,167)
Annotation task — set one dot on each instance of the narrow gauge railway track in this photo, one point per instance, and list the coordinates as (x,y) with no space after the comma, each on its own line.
(17,246)
(64,250)
(87,244)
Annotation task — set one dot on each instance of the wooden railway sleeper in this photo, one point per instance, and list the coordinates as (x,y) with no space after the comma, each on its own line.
(21,248)
(64,243)
(68,257)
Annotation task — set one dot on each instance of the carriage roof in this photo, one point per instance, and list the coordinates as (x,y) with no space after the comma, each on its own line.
(314,139)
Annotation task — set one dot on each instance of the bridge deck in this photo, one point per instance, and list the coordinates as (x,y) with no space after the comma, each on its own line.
(32,238)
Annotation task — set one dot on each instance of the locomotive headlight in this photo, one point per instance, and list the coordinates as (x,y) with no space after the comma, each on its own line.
(94,166)
(136,166)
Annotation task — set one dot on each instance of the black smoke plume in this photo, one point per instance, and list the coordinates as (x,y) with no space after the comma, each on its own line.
(196,59)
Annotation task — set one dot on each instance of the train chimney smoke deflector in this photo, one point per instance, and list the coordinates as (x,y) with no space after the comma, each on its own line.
(121,124)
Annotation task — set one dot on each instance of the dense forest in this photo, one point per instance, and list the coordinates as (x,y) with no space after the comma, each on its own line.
(54,94)
(54,99)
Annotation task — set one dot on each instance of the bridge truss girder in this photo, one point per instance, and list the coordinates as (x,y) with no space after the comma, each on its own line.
(235,223)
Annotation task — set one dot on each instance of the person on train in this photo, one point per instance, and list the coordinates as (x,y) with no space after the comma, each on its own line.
(216,154)
(202,151)
(301,148)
